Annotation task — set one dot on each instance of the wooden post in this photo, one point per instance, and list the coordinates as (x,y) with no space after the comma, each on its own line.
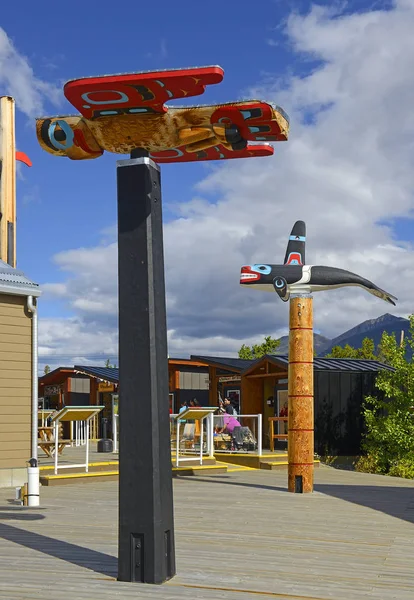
(7,182)
(213,391)
(300,390)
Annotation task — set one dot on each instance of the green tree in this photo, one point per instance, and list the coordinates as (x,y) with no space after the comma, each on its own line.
(108,364)
(367,351)
(46,370)
(389,418)
(342,352)
(269,346)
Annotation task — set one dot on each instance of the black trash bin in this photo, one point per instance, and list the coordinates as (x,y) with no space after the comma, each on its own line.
(105,444)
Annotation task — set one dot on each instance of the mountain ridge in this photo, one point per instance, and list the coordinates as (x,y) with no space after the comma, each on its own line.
(371,328)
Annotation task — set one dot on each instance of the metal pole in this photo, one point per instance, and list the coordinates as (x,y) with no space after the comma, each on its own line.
(56,445)
(87,446)
(211,434)
(177,445)
(146,524)
(201,439)
(300,392)
(115,435)
(259,434)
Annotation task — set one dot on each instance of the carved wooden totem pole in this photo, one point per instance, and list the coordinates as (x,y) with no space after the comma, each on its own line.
(295,281)
(126,114)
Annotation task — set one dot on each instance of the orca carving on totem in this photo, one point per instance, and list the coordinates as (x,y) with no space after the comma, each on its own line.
(294,276)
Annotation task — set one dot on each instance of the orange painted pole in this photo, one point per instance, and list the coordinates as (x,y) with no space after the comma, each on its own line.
(300,390)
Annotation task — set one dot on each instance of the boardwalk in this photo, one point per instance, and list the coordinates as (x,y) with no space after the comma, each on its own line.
(239,536)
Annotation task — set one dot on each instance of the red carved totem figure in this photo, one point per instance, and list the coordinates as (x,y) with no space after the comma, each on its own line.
(120,113)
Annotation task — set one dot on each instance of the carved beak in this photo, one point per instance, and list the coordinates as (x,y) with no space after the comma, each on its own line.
(248,276)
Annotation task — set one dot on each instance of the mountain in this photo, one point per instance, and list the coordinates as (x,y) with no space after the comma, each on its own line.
(319,342)
(372,329)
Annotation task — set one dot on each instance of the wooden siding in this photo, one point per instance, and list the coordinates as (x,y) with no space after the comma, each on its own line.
(15,381)
(251,396)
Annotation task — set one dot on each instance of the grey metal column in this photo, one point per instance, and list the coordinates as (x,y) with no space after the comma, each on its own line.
(146,523)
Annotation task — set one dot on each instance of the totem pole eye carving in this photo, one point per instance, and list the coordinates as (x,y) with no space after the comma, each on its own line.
(120,113)
(294,276)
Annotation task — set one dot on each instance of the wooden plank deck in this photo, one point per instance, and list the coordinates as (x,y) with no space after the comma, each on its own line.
(239,536)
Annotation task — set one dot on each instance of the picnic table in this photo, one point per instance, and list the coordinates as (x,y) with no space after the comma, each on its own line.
(46,441)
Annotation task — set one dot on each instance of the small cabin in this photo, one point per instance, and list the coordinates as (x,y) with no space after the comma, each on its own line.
(16,364)
(89,385)
(340,386)
(254,386)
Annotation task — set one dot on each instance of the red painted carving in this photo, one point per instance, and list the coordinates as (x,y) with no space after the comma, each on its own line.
(22,157)
(216,153)
(112,92)
(120,113)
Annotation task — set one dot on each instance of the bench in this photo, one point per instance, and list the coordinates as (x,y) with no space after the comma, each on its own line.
(48,446)
(276,436)
(222,441)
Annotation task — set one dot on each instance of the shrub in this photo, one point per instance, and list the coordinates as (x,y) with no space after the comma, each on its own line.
(389,418)
(368,464)
(403,468)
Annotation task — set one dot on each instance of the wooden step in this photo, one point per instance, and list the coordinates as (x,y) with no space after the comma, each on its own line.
(93,468)
(200,470)
(272,466)
(112,475)
(71,478)
(113,465)
(249,460)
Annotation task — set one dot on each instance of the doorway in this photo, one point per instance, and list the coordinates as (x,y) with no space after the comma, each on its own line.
(281,401)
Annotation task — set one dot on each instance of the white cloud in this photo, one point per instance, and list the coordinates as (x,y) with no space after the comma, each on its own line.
(346,169)
(17,79)
(65,342)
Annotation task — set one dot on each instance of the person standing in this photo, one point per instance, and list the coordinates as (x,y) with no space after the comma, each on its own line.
(284,413)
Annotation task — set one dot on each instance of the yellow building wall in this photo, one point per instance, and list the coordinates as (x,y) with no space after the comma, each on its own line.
(15,382)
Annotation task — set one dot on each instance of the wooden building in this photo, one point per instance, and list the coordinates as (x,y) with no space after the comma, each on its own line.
(63,387)
(16,356)
(340,386)
(255,386)
(187,379)
(84,384)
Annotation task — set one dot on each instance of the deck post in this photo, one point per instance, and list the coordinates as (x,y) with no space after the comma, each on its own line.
(146,525)
(300,392)
(260,434)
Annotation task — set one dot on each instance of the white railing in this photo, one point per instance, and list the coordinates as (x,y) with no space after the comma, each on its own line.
(115,432)
(213,441)
(81,432)
(252,431)
(189,438)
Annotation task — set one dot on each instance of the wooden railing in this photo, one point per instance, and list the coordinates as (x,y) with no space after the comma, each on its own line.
(277,436)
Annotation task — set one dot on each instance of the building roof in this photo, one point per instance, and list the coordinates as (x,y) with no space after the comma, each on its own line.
(185,361)
(15,282)
(55,376)
(106,373)
(234,364)
(237,365)
(330,364)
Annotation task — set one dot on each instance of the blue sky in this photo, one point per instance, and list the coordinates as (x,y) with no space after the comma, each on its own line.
(65,205)
(74,201)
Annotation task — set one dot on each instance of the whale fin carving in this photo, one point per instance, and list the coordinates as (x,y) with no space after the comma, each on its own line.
(281,288)
(295,252)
